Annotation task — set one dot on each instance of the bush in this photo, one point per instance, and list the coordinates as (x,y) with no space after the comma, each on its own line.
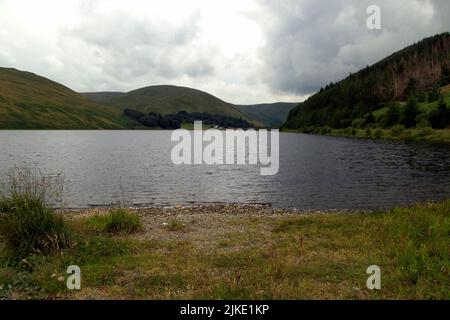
(422,120)
(349,131)
(440,118)
(28,224)
(397,130)
(324,130)
(176,225)
(425,132)
(392,116)
(434,95)
(117,221)
(378,133)
(358,123)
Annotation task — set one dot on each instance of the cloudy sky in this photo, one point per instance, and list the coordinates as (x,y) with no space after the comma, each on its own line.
(243,51)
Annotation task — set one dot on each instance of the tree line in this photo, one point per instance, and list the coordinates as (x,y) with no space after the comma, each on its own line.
(174,121)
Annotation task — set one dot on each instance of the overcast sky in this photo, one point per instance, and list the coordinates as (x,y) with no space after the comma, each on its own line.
(243,51)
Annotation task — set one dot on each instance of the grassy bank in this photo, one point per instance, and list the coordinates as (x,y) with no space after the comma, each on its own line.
(398,133)
(241,252)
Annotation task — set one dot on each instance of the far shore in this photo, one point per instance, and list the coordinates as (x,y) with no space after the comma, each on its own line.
(426,135)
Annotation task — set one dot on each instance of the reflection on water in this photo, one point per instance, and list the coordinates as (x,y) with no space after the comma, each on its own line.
(316,172)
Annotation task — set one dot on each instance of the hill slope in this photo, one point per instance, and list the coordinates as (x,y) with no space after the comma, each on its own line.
(28,101)
(101,97)
(268,114)
(165,99)
(415,70)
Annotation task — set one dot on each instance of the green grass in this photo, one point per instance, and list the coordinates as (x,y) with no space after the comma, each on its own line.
(398,133)
(117,221)
(305,257)
(27,223)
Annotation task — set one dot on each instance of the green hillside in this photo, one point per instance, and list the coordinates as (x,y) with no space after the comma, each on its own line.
(166,99)
(101,97)
(28,101)
(269,114)
(415,73)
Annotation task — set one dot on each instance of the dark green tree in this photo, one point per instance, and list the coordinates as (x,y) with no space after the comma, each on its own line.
(392,116)
(445,78)
(410,112)
(440,118)
(435,94)
(411,88)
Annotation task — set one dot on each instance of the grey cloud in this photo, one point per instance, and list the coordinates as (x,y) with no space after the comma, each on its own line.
(311,43)
(127,47)
(306,44)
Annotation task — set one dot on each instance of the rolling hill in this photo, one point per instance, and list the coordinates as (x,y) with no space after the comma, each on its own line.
(29,101)
(418,70)
(268,114)
(165,99)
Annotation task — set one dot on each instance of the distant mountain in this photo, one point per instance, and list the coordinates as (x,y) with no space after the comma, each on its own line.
(267,114)
(418,70)
(165,99)
(28,101)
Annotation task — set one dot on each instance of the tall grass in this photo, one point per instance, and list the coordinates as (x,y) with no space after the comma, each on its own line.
(422,237)
(28,223)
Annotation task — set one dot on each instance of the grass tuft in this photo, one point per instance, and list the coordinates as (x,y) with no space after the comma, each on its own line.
(176,225)
(117,221)
(27,222)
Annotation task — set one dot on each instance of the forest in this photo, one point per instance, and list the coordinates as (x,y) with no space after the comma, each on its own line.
(175,121)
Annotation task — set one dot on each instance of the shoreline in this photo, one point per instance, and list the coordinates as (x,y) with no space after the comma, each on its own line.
(223,209)
(439,137)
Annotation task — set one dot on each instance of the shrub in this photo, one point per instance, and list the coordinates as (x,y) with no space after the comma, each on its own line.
(348,131)
(435,94)
(440,118)
(392,116)
(422,120)
(358,123)
(28,224)
(425,132)
(117,221)
(378,133)
(324,130)
(397,130)
(176,225)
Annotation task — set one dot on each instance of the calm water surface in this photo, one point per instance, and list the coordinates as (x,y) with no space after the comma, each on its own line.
(316,172)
